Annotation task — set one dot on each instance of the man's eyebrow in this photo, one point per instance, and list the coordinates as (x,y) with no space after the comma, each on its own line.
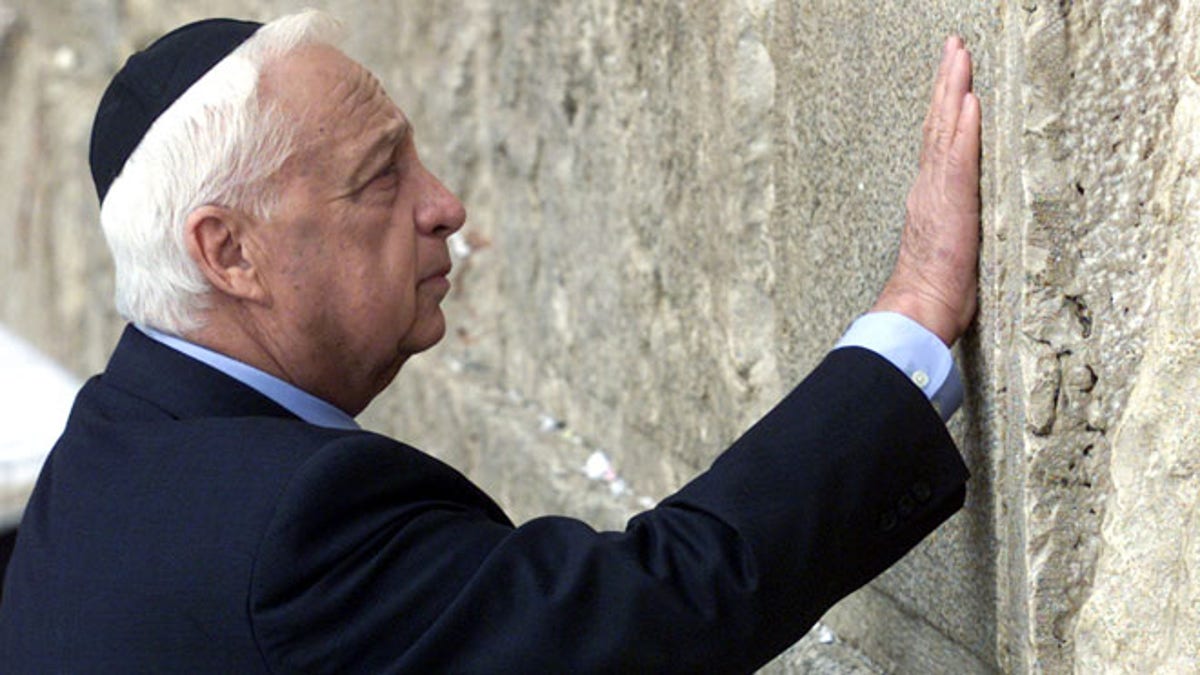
(382,146)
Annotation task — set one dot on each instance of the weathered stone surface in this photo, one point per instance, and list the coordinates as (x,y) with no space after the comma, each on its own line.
(1149,537)
(677,207)
(1103,159)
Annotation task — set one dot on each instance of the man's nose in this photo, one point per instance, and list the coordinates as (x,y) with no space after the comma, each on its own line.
(438,213)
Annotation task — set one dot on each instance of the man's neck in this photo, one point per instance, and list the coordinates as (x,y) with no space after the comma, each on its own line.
(299,402)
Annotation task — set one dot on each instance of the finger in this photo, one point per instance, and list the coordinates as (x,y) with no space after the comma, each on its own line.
(939,78)
(964,153)
(949,49)
(958,81)
(949,53)
(957,85)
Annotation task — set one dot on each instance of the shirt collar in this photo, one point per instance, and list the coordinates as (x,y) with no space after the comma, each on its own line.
(297,401)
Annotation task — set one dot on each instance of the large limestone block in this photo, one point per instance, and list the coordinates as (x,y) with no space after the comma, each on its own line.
(1143,611)
(54,267)
(1095,136)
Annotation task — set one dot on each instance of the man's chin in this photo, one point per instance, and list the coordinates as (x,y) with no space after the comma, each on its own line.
(427,333)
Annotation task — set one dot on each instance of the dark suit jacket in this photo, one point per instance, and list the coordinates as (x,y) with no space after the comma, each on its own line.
(184,523)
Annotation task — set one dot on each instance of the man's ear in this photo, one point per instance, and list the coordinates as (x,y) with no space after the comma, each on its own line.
(216,241)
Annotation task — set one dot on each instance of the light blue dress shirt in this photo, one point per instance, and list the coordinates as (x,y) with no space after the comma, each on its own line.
(918,353)
(297,401)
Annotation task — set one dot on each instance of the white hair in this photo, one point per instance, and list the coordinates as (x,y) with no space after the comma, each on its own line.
(219,143)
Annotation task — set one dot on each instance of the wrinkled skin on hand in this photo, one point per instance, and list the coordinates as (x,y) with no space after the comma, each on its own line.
(936,275)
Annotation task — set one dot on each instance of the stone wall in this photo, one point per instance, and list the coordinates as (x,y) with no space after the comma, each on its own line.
(676,208)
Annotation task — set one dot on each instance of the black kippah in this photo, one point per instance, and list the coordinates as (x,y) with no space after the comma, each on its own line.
(149,82)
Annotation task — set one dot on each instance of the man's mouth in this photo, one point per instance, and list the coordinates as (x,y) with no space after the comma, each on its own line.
(437,280)
(439,273)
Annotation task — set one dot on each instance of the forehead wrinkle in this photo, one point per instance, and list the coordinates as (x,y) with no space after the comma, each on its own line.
(348,95)
(396,126)
(364,90)
(351,125)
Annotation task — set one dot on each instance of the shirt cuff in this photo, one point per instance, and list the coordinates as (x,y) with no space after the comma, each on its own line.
(918,353)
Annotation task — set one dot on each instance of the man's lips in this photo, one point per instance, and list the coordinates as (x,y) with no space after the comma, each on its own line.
(444,270)
(441,272)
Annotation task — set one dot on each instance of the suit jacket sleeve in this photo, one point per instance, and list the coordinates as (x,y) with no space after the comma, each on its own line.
(380,559)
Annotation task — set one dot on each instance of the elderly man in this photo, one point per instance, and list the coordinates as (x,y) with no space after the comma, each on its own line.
(281,252)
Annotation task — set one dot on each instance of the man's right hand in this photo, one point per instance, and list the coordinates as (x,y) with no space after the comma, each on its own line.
(936,275)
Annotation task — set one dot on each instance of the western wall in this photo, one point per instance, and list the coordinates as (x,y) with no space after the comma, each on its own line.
(675,208)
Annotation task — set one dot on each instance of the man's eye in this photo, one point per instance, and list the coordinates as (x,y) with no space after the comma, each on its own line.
(386,177)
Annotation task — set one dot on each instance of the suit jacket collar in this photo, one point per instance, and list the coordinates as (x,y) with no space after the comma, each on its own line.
(181,385)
